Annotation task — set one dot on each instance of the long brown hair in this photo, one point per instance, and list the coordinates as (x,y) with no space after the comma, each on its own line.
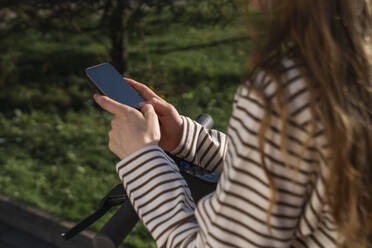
(332,39)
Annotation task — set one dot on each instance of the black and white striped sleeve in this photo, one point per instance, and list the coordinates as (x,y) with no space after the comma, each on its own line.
(203,147)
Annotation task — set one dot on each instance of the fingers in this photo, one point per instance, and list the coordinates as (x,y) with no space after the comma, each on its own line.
(109,105)
(145,92)
(161,107)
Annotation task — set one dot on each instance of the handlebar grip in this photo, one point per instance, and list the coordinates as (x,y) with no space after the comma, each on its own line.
(117,228)
(205,120)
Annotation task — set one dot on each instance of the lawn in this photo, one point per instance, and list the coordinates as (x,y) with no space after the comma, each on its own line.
(53,139)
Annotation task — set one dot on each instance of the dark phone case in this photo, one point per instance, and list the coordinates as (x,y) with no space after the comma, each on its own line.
(109,82)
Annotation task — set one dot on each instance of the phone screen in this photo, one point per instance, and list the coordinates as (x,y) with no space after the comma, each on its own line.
(109,81)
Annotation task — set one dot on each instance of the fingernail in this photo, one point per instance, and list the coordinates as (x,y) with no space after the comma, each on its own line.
(141,104)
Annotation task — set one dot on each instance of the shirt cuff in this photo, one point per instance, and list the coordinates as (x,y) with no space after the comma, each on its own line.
(186,141)
(142,158)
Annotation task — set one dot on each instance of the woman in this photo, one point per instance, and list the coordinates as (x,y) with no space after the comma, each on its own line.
(295,165)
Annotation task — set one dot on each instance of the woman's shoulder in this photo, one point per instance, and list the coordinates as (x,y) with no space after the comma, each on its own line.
(282,89)
(283,96)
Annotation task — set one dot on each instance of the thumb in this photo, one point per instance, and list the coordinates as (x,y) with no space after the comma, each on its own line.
(149,113)
(108,104)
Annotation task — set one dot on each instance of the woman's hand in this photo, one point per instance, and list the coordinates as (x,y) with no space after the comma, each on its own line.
(131,130)
(171,122)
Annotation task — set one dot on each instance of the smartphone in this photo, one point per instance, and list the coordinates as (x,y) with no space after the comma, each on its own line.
(110,83)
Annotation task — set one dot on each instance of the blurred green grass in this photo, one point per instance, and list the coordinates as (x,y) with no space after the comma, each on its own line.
(54,152)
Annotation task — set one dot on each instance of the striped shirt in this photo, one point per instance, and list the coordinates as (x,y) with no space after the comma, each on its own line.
(235,215)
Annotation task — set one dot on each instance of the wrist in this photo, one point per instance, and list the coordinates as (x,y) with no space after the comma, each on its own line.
(128,153)
(177,134)
(179,131)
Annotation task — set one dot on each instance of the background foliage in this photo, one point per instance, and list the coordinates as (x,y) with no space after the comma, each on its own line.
(53,139)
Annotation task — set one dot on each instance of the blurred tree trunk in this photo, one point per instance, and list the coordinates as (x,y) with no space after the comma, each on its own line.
(116,28)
